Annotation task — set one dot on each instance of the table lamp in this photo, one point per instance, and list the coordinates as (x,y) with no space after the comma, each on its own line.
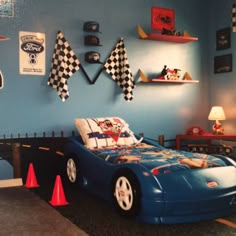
(217,113)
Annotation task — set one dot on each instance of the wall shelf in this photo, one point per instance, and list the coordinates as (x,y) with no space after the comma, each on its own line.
(170,81)
(186,79)
(3,37)
(170,38)
(164,37)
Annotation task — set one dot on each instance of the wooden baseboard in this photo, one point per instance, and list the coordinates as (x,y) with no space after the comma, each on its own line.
(11,183)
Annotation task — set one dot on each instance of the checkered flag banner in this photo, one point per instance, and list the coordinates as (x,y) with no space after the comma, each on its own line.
(64,65)
(234,18)
(117,66)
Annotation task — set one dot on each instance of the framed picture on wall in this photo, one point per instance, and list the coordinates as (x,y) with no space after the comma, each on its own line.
(162,18)
(223,39)
(7,8)
(223,63)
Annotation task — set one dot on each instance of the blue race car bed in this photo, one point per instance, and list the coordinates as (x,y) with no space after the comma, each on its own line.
(146,180)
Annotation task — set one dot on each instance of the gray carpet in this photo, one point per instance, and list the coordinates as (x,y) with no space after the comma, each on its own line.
(23,213)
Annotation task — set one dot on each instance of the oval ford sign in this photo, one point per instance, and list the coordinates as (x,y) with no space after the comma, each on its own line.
(32,47)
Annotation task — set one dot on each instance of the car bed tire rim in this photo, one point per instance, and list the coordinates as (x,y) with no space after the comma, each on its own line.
(124,193)
(71,170)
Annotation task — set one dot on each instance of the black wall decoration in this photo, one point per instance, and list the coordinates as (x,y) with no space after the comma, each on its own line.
(223,63)
(223,39)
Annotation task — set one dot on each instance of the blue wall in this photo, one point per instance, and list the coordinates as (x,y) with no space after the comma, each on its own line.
(222,85)
(29,105)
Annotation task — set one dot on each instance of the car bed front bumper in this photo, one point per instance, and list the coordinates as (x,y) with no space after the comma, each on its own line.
(166,212)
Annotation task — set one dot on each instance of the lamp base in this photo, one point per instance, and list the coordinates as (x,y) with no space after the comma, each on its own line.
(217,128)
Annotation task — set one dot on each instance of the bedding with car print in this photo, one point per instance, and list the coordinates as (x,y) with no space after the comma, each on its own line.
(160,160)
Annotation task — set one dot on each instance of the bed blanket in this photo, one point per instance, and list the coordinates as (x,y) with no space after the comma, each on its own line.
(158,158)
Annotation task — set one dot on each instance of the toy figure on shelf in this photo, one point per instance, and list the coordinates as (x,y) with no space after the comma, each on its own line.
(164,71)
(169,74)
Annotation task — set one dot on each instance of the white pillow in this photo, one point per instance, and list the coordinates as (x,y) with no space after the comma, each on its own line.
(105,132)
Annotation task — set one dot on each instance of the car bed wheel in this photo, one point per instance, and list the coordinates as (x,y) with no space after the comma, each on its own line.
(72,170)
(126,194)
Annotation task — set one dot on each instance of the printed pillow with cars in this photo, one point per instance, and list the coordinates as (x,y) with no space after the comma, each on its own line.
(105,132)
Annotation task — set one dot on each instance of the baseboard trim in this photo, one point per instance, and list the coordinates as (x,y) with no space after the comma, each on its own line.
(11,183)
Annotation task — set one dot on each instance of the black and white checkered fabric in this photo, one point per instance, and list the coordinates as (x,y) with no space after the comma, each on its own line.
(234,18)
(64,65)
(117,66)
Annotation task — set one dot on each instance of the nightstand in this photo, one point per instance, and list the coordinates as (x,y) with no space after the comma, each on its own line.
(207,137)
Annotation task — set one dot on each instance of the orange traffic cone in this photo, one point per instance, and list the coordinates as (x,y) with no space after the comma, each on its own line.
(58,196)
(31,181)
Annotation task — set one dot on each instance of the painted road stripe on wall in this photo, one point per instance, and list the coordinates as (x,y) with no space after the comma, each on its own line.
(226,222)
(60,153)
(44,148)
(26,145)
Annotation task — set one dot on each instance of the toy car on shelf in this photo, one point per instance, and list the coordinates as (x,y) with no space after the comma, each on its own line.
(170,74)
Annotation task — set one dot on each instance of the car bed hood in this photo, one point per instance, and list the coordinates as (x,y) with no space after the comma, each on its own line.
(192,183)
